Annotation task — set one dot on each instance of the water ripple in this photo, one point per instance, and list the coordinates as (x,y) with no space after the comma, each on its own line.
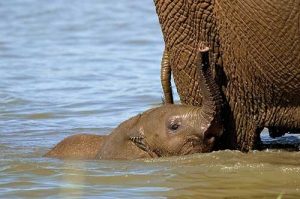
(85,66)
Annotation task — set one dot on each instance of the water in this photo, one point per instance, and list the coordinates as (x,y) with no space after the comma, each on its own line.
(84,66)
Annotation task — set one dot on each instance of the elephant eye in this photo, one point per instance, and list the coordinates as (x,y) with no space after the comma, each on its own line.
(174,125)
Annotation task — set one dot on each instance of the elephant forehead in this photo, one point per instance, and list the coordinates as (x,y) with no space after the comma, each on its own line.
(167,111)
(155,112)
(153,118)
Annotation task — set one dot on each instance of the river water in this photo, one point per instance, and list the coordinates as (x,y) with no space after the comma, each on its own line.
(84,66)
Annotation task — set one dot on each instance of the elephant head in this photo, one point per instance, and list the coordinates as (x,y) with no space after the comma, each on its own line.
(169,130)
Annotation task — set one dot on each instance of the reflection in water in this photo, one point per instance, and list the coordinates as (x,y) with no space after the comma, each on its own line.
(86,66)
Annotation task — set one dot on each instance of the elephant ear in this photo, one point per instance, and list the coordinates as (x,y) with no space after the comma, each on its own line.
(134,133)
(116,143)
(137,137)
(140,142)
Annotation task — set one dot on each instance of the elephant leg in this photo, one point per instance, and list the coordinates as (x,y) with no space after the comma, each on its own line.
(241,130)
(251,133)
(166,78)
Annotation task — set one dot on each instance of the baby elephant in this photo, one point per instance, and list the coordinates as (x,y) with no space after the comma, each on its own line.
(168,130)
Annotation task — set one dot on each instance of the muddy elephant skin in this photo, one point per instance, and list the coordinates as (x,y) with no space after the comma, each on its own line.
(168,130)
(255,58)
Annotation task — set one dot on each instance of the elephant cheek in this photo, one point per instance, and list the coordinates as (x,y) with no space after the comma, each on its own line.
(178,145)
(133,152)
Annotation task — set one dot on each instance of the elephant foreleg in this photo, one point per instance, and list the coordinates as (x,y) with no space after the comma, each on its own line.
(166,78)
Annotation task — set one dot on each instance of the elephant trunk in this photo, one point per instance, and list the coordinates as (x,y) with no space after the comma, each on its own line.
(211,96)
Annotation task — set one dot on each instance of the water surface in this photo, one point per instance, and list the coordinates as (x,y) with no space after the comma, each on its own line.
(84,66)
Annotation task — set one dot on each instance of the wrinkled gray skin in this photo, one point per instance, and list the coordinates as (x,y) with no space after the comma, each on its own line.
(164,131)
(255,59)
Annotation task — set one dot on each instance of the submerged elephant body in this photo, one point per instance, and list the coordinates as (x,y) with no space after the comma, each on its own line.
(164,131)
(255,55)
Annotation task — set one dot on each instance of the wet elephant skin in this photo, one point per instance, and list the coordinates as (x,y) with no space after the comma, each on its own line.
(169,130)
(255,59)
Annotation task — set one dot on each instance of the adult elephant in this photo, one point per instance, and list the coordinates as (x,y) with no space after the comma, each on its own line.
(255,55)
